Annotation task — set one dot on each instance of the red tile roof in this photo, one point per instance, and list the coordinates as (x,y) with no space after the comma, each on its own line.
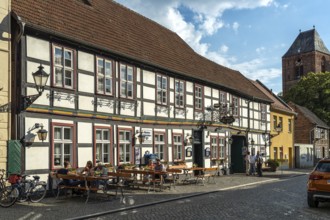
(112,27)
(278,104)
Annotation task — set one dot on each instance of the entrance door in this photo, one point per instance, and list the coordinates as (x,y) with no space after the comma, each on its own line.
(290,158)
(198,156)
(237,157)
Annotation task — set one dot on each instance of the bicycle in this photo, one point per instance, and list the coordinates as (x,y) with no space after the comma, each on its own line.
(8,194)
(32,190)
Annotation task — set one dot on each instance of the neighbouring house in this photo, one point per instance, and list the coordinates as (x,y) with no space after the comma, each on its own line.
(5,82)
(311,137)
(122,86)
(280,138)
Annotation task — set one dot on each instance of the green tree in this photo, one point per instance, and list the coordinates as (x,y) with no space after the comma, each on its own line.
(313,92)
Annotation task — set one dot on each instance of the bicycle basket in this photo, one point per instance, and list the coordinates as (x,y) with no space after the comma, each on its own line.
(14,178)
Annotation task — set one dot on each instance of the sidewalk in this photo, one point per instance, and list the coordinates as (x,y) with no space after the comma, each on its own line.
(75,208)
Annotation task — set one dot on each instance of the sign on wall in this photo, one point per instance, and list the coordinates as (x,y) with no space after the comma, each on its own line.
(147,133)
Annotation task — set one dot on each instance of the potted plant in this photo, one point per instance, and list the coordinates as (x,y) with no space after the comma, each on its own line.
(273,164)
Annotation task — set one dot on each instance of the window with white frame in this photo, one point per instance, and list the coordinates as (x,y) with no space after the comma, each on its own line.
(223,99)
(214,148)
(161,90)
(235,106)
(126,81)
(274,122)
(102,145)
(63,145)
(160,146)
(179,93)
(198,97)
(222,148)
(218,148)
(263,109)
(125,146)
(177,147)
(104,76)
(63,67)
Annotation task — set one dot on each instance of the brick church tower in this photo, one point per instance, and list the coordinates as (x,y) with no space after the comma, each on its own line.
(307,54)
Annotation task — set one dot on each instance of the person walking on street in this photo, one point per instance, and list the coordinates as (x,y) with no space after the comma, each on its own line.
(252,164)
(259,160)
(247,163)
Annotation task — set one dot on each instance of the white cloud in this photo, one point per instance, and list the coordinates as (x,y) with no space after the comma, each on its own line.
(235,26)
(206,21)
(224,48)
(260,49)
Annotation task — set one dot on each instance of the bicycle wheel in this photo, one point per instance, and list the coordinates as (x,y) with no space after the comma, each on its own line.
(37,193)
(8,196)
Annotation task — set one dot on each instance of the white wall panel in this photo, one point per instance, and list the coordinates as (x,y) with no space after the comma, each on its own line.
(138,74)
(86,83)
(171,83)
(37,48)
(85,103)
(190,100)
(62,121)
(84,154)
(149,77)
(105,109)
(149,93)
(86,61)
(207,102)
(37,158)
(215,93)
(41,100)
(207,91)
(138,91)
(63,103)
(190,113)
(189,87)
(85,132)
(126,111)
(148,108)
(171,97)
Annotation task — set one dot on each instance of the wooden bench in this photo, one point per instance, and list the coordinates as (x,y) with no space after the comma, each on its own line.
(87,187)
(145,178)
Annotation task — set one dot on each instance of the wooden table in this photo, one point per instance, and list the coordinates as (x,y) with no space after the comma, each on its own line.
(88,185)
(146,178)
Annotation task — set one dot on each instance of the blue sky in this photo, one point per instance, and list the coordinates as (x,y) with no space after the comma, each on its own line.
(250,36)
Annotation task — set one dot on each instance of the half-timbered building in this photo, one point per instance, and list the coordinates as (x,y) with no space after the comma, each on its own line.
(116,76)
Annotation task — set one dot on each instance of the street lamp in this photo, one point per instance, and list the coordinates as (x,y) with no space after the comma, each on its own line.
(40,78)
(141,138)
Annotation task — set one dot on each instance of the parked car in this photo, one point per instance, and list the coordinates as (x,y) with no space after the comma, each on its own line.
(318,187)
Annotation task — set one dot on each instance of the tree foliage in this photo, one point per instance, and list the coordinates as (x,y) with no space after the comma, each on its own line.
(313,92)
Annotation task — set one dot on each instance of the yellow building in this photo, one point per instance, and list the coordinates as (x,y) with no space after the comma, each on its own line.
(5,89)
(281,133)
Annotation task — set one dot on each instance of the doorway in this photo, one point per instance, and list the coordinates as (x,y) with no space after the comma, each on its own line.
(237,157)
(198,156)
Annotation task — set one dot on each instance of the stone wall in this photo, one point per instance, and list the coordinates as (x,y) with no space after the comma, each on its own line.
(5,88)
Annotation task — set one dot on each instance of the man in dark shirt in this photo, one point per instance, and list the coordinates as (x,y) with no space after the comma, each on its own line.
(65,171)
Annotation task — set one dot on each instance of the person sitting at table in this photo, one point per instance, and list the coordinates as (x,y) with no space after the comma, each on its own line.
(88,169)
(101,170)
(151,165)
(66,171)
(159,168)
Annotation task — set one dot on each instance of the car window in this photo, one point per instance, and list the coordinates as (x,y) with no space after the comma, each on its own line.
(323,167)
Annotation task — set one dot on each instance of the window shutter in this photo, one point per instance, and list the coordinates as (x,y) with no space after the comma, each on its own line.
(14,157)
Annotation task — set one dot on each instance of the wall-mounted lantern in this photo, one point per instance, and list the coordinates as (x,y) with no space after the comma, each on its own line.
(189,152)
(188,140)
(207,152)
(40,79)
(28,139)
